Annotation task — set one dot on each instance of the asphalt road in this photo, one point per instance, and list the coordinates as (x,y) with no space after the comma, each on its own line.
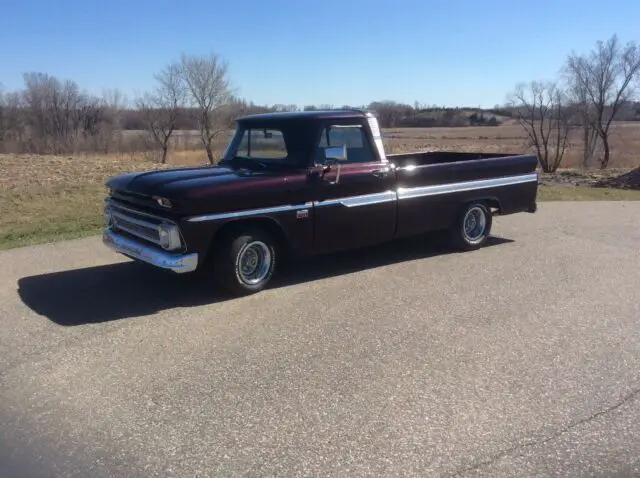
(521,359)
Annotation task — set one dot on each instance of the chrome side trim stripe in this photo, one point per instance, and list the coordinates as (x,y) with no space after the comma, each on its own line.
(357,201)
(408,193)
(376,198)
(249,212)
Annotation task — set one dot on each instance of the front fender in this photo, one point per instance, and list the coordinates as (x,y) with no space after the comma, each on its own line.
(292,225)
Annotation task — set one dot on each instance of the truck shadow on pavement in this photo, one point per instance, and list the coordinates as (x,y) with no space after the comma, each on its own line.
(128,289)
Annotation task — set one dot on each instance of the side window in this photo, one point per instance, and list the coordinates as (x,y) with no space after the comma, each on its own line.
(358,148)
(262,143)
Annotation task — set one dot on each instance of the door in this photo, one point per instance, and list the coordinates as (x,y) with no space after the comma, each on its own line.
(354,200)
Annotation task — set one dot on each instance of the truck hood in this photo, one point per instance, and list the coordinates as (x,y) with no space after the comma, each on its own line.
(186,183)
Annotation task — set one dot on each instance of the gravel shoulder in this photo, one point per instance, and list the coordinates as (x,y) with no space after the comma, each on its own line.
(520,359)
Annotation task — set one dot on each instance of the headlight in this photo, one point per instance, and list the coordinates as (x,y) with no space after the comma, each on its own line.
(164,202)
(169,236)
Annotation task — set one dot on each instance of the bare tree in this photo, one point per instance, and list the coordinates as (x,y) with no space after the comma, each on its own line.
(15,128)
(582,109)
(541,110)
(604,80)
(108,124)
(53,110)
(54,116)
(114,102)
(207,81)
(161,108)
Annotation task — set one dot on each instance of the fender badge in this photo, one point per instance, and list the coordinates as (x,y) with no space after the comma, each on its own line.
(302,214)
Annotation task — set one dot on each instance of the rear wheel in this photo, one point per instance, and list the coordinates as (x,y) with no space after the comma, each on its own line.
(244,261)
(472,227)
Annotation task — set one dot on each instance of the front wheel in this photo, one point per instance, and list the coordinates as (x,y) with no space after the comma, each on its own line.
(472,227)
(245,261)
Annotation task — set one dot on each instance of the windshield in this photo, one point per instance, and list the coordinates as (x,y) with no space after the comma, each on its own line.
(259,144)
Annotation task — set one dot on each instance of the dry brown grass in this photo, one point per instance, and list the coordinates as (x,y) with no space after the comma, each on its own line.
(46,198)
(546,193)
(19,173)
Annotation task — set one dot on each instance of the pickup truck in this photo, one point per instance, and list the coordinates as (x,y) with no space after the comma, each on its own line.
(303,183)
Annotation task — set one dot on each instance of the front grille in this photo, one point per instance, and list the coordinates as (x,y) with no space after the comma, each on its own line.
(138,228)
(135,199)
(136,223)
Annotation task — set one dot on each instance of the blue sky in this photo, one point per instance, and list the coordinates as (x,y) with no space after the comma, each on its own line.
(460,52)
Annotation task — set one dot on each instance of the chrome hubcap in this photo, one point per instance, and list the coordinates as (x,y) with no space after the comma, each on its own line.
(254,262)
(475,223)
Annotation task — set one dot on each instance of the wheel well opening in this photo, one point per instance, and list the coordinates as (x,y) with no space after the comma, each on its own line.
(493,204)
(270,226)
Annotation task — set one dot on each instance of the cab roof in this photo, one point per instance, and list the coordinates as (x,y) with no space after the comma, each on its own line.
(307,115)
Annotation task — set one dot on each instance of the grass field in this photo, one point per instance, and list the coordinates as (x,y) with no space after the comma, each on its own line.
(46,198)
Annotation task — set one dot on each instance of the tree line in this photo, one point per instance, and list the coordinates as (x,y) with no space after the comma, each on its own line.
(195,93)
(53,116)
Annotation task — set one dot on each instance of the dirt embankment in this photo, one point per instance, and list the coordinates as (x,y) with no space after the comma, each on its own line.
(611,178)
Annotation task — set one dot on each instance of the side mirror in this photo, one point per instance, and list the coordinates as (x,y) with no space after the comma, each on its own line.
(334,154)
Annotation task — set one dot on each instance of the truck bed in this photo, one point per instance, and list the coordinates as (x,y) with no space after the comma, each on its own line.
(432,186)
(441,167)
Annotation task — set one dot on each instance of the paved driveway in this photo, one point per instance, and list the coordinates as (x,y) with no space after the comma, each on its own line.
(520,359)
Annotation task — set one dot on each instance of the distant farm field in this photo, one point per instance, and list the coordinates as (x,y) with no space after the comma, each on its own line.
(45,198)
(625,142)
(508,138)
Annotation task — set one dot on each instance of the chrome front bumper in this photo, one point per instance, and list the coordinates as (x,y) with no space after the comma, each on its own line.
(166,260)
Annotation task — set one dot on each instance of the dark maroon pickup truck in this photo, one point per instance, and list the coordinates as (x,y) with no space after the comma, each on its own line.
(307,183)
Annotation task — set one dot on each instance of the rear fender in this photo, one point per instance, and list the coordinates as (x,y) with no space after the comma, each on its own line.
(492,202)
